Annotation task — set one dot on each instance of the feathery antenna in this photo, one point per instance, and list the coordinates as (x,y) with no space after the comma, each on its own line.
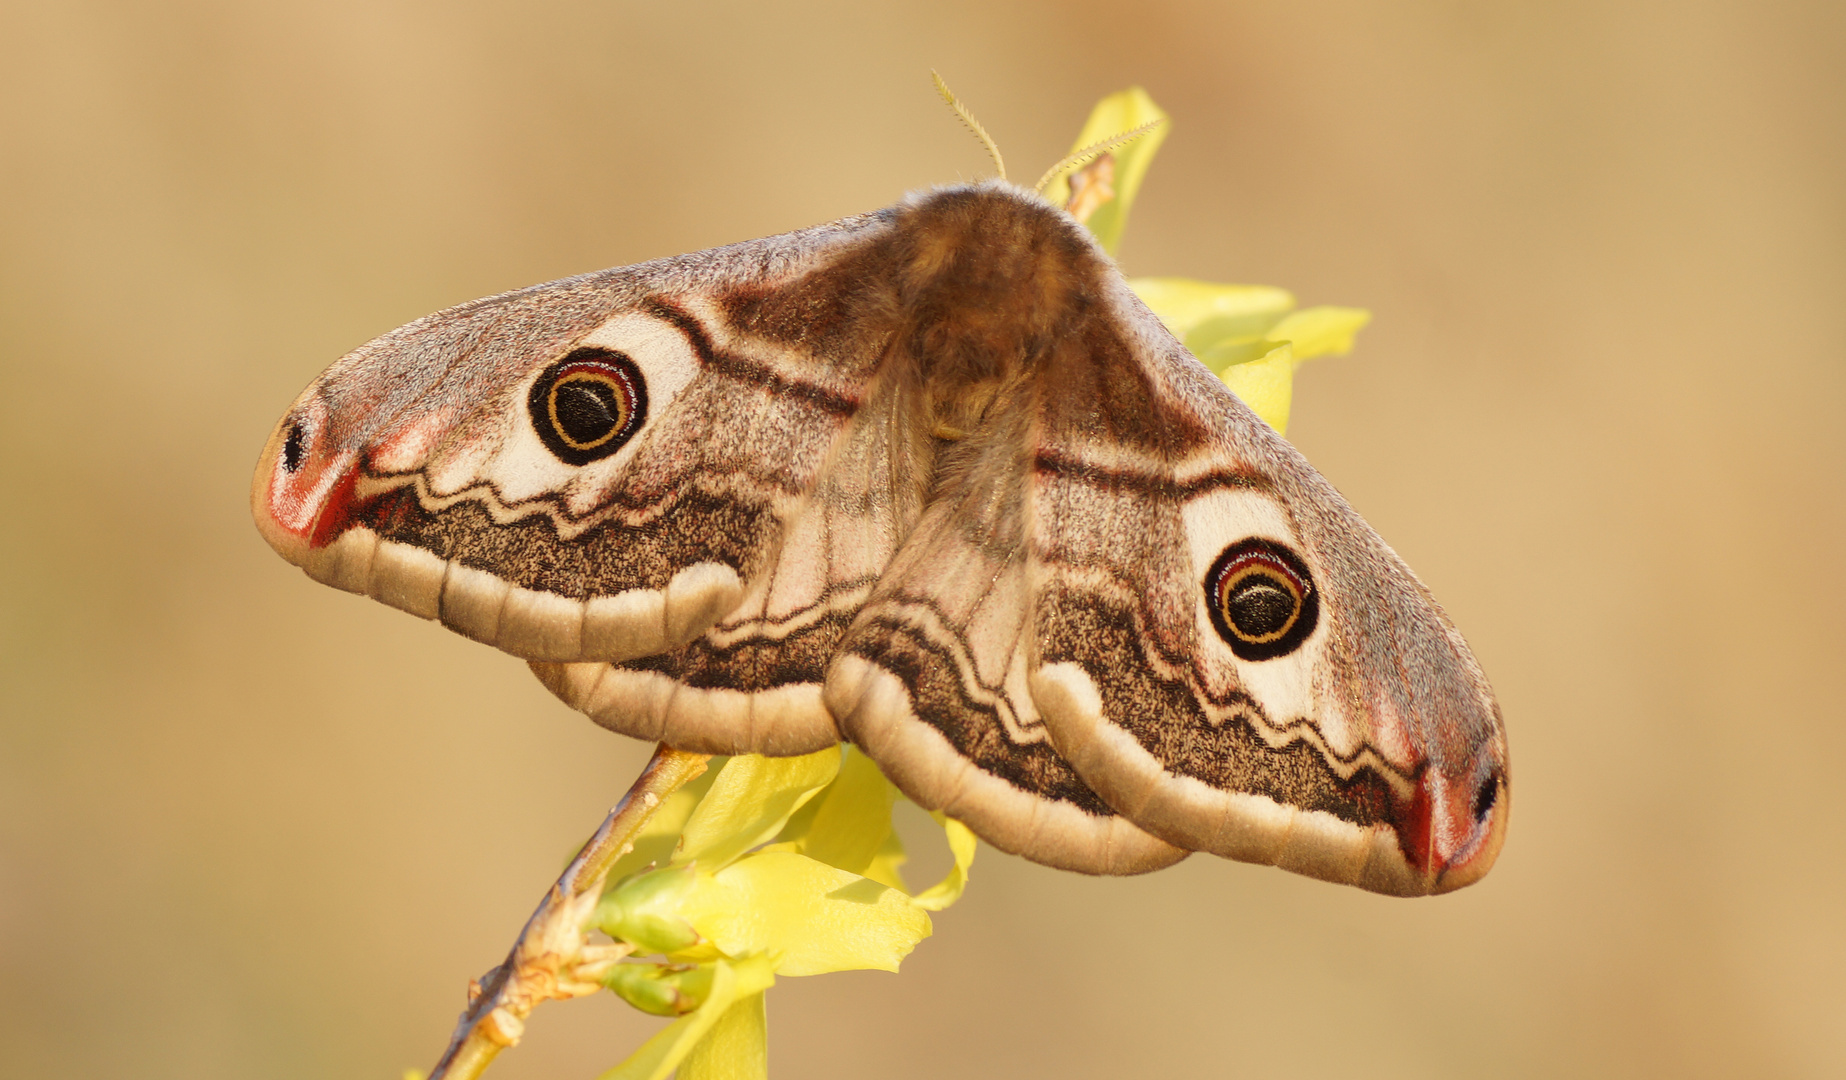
(1089,151)
(973,124)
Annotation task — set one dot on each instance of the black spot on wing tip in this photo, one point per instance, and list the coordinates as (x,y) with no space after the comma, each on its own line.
(1487,795)
(294,446)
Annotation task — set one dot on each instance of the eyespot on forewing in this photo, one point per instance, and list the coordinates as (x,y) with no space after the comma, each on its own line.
(1262,599)
(588,405)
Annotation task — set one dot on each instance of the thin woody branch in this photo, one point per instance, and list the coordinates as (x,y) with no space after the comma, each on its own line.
(551,959)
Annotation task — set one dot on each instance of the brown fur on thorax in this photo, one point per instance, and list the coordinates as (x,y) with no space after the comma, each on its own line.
(989,279)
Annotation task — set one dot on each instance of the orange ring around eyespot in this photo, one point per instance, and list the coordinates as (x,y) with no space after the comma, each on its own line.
(1255,564)
(1281,567)
(624,395)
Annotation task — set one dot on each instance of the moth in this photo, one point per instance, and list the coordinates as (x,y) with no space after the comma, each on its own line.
(934,481)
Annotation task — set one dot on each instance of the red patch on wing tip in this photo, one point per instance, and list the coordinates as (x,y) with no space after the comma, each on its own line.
(336,512)
(1416,828)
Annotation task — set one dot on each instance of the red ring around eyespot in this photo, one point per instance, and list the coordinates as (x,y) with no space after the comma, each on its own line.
(1285,569)
(1238,570)
(612,376)
(607,366)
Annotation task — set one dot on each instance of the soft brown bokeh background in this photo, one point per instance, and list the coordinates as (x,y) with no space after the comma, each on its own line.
(252,827)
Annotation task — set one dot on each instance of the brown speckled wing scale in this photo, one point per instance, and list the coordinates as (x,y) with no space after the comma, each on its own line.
(933,480)
(1362,745)
(931,680)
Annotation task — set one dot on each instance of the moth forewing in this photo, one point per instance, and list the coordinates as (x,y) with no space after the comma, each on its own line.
(934,480)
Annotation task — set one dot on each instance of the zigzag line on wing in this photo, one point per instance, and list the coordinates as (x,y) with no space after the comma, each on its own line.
(839,598)
(751,667)
(923,619)
(375,488)
(600,559)
(1165,718)
(1104,588)
(1034,766)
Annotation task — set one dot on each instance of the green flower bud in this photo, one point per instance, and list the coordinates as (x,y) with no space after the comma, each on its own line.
(661,989)
(645,911)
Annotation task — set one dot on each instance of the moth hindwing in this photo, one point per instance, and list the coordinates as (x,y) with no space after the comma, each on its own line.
(934,480)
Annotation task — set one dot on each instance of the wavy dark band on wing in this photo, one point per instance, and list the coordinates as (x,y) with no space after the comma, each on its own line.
(764,376)
(607,558)
(1139,482)
(1165,716)
(765,658)
(930,672)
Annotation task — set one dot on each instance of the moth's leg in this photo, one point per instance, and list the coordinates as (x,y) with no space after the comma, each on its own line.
(544,961)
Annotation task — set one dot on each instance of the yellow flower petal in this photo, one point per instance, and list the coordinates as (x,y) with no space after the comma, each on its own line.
(1219,312)
(949,889)
(1250,335)
(736,1048)
(1267,384)
(810,917)
(749,802)
(1119,112)
(660,1055)
(1321,331)
(886,867)
(853,818)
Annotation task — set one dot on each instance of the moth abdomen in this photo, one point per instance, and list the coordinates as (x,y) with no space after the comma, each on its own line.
(935,479)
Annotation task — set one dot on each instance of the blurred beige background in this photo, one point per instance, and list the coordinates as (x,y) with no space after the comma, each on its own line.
(252,827)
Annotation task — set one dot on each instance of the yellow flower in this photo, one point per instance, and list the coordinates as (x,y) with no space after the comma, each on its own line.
(1250,336)
(779,866)
(1120,112)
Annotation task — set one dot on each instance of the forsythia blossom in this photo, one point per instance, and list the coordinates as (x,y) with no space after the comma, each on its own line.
(772,866)
(1251,336)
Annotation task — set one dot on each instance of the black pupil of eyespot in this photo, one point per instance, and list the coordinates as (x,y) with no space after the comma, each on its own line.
(292,448)
(587,405)
(1259,606)
(1484,799)
(1260,598)
(587,410)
